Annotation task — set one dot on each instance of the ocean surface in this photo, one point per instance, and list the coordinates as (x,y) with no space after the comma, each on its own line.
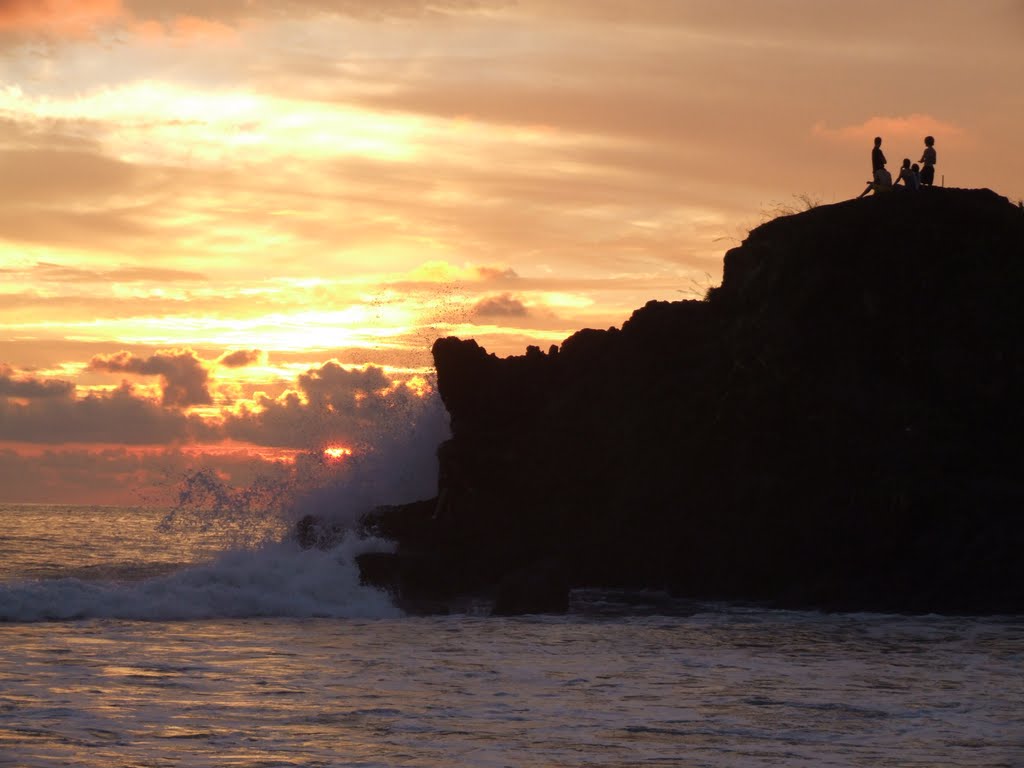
(124,642)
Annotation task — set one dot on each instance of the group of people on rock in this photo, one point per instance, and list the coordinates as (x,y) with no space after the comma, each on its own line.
(913,176)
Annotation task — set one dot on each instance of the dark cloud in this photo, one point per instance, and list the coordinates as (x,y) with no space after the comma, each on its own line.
(504,305)
(184,378)
(116,418)
(333,404)
(330,403)
(333,386)
(29,387)
(240,358)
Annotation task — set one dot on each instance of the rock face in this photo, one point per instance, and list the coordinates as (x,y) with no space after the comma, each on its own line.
(536,588)
(839,425)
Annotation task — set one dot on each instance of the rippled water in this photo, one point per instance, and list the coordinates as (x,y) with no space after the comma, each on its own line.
(620,681)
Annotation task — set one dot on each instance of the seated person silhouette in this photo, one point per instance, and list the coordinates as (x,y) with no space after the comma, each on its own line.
(907,175)
(881,183)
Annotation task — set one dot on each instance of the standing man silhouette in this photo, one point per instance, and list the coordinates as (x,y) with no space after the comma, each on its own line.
(928,162)
(881,179)
(877,157)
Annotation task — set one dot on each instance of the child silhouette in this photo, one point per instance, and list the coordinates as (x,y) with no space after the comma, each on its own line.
(928,162)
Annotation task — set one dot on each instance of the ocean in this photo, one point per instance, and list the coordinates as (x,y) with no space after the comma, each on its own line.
(128,642)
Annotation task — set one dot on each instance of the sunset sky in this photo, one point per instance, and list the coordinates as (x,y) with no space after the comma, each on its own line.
(231,229)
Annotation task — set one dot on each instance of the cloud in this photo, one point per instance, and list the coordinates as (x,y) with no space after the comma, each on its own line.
(332,386)
(235,11)
(240,358)
(57,19)
(32,388)
(332,404)
(496,274)
(56,175)
(61,17)
(60,190)
(328,403)
(504,305)
(438,271)
(116,418)
(60,273)
(184,378)
(183,28)
(903,127)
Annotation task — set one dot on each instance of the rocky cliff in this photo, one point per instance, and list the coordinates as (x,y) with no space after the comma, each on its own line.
(838,425)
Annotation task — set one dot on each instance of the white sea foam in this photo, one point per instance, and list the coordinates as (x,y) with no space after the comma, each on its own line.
(278,580)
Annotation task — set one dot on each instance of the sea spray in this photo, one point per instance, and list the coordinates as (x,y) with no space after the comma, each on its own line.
(262,571)
(397,465)
(392,461)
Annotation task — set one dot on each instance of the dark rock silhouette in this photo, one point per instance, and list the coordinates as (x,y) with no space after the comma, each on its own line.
(312,531)
(536,588)
(838,425)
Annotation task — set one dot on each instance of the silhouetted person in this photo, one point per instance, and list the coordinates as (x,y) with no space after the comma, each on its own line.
(910,179)
(881,178)
(877,156)
(928,162)
(916,170)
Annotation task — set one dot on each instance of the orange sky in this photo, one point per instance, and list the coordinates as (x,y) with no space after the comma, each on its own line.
(215,215)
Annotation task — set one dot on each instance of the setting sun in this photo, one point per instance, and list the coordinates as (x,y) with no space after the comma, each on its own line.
(337,452)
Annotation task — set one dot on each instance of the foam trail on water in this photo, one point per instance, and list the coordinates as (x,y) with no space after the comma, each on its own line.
(277,580)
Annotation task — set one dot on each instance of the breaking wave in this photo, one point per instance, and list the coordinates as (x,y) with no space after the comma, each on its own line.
(255,575)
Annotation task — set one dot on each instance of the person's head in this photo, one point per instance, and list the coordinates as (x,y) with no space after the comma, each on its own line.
(915,167)
(906,162)
(878,141)
(929,140)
